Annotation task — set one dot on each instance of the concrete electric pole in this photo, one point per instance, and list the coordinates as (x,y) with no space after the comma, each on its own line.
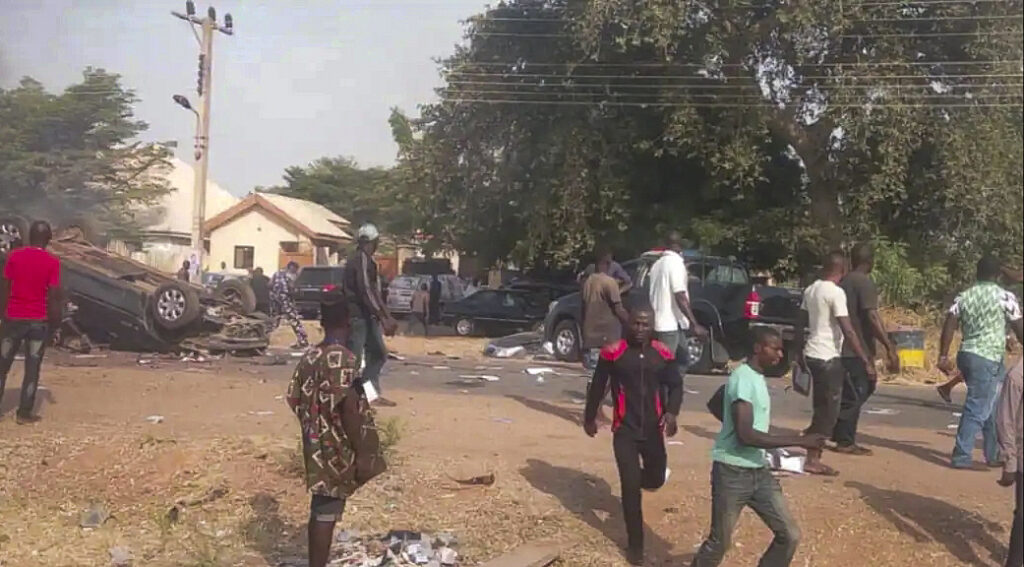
(206,26)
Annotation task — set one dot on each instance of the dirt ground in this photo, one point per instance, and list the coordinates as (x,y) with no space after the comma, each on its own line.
(228,449)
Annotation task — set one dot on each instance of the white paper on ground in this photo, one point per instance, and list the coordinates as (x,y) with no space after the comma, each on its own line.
(540,371)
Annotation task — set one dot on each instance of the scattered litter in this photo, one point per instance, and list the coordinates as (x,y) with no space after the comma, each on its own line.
(442,368)
(691,392)
(540,380)
(675,443)
(120,557)
(395,356)
(502,420)
(540,371)
(155,419)
(297,354)
(957,414)
(400,548)
(504,352)
(145,361)
(484,377)
(547,348)
(94,516)
(261,413)
(90,356)
(882,411)
(953,426)
(483,480)
(413,373)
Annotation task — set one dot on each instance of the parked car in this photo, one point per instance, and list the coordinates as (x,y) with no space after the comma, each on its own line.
(552,291)
(401,288)
(310,286)
(723,297)
(496,312)
(127,304)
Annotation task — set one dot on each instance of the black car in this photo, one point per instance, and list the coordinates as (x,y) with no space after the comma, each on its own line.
(310,286)
(495,312)
(723,297)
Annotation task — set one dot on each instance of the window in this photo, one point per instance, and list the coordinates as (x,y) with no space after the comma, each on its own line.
(244,257)
(290,247)
(724,274)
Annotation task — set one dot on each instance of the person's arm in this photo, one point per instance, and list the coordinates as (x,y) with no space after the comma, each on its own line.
(595,395)
(882,336)
(672,381)
(54,299)
(946,339)
(850,335)
(368,291)
(1008,415)
(677,278)
(614,300)
(621,276)
(800,336)
(743,418)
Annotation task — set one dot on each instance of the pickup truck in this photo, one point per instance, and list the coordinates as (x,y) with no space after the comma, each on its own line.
(724,299)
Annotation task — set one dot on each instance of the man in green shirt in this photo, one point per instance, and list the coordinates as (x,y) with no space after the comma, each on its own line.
(982,313)
(740,476)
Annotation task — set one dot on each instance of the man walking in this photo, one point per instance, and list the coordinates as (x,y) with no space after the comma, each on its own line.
(669,296)
(420,308)
(30,307)
(369,316)
(637,369)
(435,299)
(739,476)
(825,315)
(1010,426)
(282,303)
(862,306)
(603,316)
(982,313)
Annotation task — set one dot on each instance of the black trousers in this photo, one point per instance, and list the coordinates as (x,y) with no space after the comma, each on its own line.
(1015,558)
(827,390)
(32,335)
(641,467)
(857,388)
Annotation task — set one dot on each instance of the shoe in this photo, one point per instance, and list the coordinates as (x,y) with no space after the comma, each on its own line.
(26,419)
(635,556)
(384,403)
(996,464)
(668,473)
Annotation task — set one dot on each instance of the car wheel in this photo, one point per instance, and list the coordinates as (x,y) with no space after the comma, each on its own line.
(13,232)
(175,306)
(239,294)
(700,356)
(566,341)
(464,327)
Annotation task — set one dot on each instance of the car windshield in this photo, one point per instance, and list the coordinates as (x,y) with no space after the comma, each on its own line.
(404,283)
(316,277)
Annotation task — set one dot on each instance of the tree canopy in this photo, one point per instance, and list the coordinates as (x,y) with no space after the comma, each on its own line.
(73,156)
(769,129)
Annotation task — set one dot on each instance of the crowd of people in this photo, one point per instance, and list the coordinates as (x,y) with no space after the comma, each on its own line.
(639,356)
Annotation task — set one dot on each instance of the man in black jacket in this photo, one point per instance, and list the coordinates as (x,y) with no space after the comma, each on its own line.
(638,368)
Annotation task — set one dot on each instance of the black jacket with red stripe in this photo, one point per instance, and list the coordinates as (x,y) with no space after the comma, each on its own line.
(638,375)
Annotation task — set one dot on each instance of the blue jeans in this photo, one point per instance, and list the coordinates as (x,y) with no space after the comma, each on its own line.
(984,379)
(732,490)
(366,340)
(32,335)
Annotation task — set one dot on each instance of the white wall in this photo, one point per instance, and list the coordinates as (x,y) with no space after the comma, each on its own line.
(254,228)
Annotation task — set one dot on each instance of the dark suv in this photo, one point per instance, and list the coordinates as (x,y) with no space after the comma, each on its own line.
(723,297)
(310,286)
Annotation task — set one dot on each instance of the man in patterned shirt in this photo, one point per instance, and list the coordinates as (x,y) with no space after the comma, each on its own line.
(340,445)
(282,304)
(982,313)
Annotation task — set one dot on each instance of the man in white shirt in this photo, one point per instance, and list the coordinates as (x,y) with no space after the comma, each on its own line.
(671,302)
(825,315)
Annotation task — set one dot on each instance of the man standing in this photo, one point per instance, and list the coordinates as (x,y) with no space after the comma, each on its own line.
(340,445)
(603,316)
(369,316)
(435,300)
(260,285)
(183,273)
(739,476)
(1010,425)
(862,305)
(669,296)
(615,270)
(982,313)
(420,308)
(31,303)
(825,316)
(282,303)
(637,369)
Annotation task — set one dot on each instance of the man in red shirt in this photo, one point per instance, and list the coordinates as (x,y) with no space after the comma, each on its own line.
(30,305)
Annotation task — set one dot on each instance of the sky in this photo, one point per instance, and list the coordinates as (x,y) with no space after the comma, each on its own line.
(296,82)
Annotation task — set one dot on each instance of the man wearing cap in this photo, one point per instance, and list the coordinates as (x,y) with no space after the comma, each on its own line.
(369,319)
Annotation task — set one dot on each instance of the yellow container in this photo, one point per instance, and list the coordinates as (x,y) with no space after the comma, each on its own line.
(911,358)
(909,346)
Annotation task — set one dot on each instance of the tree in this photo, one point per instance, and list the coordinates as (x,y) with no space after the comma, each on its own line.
(72,156)
(772,129)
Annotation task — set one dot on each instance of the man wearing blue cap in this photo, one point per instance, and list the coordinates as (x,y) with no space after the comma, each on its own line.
(368,314)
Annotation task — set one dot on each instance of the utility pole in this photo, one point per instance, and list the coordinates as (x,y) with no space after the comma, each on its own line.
(204,88)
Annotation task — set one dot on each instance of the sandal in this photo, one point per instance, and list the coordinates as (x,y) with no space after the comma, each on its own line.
(854,450)
(820,470)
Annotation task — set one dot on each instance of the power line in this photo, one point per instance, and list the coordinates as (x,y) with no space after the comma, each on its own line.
(553,77)
(716,105)
(752,86)
(729,65)
(687,96)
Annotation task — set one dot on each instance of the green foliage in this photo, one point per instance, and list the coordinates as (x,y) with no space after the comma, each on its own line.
(71,156)
(770,130)
(902,283)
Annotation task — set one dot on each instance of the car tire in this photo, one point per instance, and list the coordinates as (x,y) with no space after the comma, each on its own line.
(238,293)
(700,353)
(566,341)
(13,234)
(464,327)
(175,305)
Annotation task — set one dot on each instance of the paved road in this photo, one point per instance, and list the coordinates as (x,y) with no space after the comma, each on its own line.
(896,406)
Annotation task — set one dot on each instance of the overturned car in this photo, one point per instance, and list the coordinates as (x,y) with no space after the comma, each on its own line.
(131,306)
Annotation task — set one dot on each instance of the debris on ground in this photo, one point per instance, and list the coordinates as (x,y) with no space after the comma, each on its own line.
(483,480)
(483,377)
(155,419)
(881,411)
(530,555)
(540,371)
(504,352)
(398,548)
(120,557)
(93,517)
(395,356)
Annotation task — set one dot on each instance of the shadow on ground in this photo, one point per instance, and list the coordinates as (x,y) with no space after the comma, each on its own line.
(929,519)
(12,397)
(271,536)
(590,498)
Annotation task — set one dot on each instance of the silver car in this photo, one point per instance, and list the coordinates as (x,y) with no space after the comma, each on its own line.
(401,288)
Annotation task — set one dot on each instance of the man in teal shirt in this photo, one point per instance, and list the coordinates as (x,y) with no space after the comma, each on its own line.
(740,476)
(982,313)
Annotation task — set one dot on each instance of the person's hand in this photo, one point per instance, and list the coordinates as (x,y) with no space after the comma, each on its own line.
(668,423)
(590,428)
(1007,480)
(812,441)
(946,366)
(390,326)
(871,369)
(700,331)
(801,363)
(893,362)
